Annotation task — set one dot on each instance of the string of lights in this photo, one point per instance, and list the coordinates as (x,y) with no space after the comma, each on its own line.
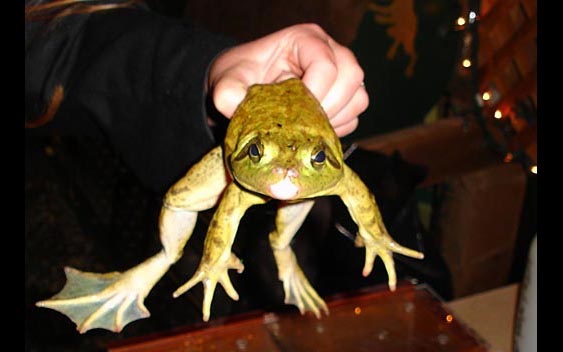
(487,99)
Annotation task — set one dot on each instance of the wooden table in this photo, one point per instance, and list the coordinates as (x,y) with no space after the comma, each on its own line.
(412,318)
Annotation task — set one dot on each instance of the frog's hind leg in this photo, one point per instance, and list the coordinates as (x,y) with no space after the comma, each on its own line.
(112,300)
(297,289)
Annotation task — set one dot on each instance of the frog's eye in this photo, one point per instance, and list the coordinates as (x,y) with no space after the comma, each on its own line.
(323,156)
(318,158)
(254,152)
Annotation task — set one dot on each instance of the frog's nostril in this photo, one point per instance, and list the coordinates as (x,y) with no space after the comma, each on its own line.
(292,172)
(278,170)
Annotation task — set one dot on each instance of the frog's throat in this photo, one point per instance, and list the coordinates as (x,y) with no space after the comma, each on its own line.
(284,190)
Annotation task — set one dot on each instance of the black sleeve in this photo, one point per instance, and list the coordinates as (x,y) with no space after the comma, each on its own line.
(131,76)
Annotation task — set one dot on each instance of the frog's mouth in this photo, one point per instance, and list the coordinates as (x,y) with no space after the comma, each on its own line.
(284,190)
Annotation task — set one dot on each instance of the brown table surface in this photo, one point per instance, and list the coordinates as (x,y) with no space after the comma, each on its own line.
(412,318)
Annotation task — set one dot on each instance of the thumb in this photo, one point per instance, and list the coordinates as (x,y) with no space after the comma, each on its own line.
(227,95)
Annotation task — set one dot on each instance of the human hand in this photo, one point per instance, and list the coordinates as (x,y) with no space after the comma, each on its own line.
(327,68)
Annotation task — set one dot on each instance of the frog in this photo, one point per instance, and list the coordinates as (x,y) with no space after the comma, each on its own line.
(279,145)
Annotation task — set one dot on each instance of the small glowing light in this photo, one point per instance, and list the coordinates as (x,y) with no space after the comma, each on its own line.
(449,318)
(508,157)
(460,21)
(49,151)
(472,16)
(466,63)
(498,114)
(357,310)
(534,169)
(486,96)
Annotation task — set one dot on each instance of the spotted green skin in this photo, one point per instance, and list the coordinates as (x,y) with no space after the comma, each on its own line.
(279,144)
(290,126)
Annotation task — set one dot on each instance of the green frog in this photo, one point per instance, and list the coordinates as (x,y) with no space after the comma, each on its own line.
(279,145)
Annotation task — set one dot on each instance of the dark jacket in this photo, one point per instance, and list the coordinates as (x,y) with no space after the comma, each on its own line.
(132,121)
(131,77)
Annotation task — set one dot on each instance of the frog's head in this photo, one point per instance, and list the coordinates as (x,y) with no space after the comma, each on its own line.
(279,143)
(285,168)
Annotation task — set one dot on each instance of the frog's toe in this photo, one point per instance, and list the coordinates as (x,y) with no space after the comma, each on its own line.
(387,258)
(198,276)
(235,263)
(209,277)
(299,292)
(209,290)
(228,287)
(397,248)
(385,250)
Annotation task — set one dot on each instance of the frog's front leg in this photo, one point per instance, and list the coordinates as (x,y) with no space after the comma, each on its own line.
(371,230)
(217,258)
(297,289)
(112,300)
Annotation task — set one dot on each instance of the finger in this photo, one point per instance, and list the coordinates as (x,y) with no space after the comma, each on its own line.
(347,119)
(315,55)
(357,104)
(346,129)
(229,78)
(349,80)
(227,95)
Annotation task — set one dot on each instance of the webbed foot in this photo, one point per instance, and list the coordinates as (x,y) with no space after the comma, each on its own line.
(109,301)
(209,276)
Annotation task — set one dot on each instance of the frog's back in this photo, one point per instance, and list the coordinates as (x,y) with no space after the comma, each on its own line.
(285,108)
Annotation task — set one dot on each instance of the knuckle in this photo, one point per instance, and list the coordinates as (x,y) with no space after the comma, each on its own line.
(314,27)
(362,99)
